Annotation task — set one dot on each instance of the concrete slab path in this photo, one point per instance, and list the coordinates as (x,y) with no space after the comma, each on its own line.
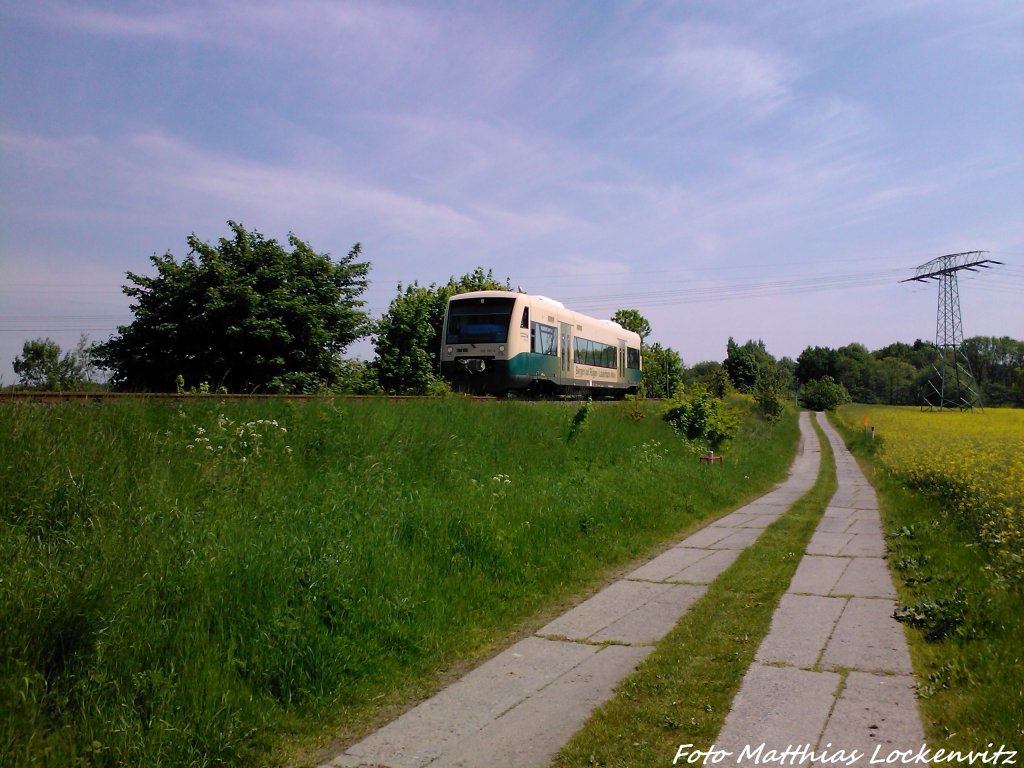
(520,707)
(833,674)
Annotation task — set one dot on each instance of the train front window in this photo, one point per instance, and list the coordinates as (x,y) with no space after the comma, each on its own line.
(479,321)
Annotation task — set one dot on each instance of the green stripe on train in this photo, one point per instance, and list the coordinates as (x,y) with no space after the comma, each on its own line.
(532,364)
(548,366)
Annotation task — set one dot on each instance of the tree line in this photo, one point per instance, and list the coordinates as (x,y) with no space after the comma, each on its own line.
(249,314)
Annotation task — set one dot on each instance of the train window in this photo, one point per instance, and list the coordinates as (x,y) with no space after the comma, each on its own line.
(633,359)
(543,339)
(525,322)
(596,353)
(477,321)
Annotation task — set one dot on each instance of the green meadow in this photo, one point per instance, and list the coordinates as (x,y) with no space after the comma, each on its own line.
(202,582)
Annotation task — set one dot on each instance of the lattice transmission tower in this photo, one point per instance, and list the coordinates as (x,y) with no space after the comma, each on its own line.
(953,385)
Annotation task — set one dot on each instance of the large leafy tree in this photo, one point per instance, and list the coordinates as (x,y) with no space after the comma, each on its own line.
(632,320)
(407,338)
(246,314)
(745,363)
(817,362)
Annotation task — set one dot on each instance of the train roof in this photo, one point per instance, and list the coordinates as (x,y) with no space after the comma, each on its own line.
(534,297)
(498,294)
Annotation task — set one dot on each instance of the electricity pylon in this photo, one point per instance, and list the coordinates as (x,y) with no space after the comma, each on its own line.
(953,385)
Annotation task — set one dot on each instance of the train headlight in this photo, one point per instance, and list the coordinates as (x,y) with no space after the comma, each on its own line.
(501,348)
(449,350)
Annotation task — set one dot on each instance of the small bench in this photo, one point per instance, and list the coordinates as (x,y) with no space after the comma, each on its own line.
(710,458)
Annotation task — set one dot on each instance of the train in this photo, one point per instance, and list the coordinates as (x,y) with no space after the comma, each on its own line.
(502,342)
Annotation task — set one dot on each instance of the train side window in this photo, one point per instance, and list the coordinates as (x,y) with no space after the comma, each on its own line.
(525,322)
(587,352)
(544,339)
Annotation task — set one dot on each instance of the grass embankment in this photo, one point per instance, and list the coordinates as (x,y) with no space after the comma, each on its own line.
(198,583)
(683,691)
(959,591)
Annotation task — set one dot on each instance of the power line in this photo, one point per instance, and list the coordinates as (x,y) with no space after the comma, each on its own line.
(956,387)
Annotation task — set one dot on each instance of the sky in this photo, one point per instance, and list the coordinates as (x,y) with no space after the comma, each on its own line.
(748,169)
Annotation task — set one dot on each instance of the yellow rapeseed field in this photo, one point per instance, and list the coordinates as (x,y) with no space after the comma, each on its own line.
(974,461)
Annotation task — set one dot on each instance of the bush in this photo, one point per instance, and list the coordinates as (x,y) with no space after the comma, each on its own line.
(702,416)
(824,394)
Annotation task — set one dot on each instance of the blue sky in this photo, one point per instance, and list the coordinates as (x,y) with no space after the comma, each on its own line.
(746,169)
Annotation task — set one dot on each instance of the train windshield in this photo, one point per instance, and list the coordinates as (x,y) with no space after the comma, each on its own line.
(478,321)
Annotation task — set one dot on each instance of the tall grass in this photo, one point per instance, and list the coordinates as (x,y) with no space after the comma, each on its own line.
(181,584)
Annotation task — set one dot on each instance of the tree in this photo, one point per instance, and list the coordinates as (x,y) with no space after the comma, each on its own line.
(744,363)
(815,362)
(709,373)
(632,320)
(41,365)
(246,315)
(896,381)
(663,371)
(857,372)
(770,391)
(407,338)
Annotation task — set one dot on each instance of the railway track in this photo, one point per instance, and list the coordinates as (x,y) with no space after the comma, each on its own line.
(32,396)
(58,397)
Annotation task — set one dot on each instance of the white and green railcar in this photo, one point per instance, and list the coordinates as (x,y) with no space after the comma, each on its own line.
(502,341)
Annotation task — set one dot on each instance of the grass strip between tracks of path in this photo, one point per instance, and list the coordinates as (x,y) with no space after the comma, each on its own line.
(682,692)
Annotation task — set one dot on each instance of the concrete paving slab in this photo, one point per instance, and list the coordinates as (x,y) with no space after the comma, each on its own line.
(835,524)
(865,545)
(733,519)
(843,499)
(532,732)
(652,620)
(865,577)
(758,518)
(606,607)
(705,537)
(761,521)
(741,538)
(708,569)
(782,498)
(780,706)
(865,502)
(835,510)
(800,629)
(867,525)
(818,574)
(823,543)
(875,711)
(868,638)
(429,729)
(669,563)
(761,507)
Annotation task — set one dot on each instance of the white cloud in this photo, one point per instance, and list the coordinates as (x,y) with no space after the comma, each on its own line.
(709,63)
(254,25)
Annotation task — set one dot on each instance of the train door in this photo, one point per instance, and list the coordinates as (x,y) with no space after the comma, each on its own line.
(565,347)
(622,360)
